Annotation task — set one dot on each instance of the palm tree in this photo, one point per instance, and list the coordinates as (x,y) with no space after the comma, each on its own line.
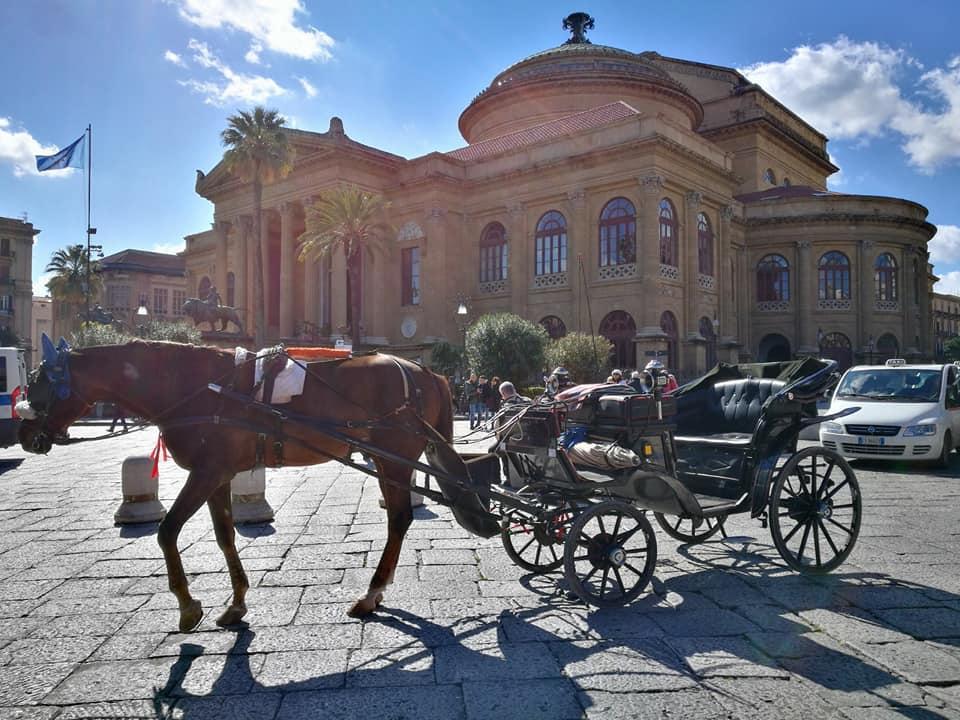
(257,152)
(69,282)
(348,218)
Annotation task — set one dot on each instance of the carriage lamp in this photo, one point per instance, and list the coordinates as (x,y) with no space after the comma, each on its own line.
(647,449)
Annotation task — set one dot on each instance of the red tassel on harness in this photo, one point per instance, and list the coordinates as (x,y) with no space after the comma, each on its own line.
(155,455)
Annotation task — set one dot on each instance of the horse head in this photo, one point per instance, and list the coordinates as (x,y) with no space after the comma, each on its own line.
(52,405)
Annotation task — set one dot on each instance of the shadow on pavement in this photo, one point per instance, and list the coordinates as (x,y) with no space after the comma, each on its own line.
(739,625)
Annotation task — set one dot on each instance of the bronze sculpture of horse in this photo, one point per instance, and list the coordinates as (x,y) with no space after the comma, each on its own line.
(389,402)
(201,312)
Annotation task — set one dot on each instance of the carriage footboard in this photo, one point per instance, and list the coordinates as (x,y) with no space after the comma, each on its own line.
(469,510)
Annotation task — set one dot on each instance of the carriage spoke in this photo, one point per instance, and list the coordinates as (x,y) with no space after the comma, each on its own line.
(803,541)
(632,569)
(530,542)
(553,552)
(616,526)
(616,572)
(578,558)
(793,532)
(599,519)
(536,559)
(826,478)
(848,531)
(679,522)
(837,489)
(816,542)
(603,582)
(623,539)
(845,506)
(823,529)
(590,574)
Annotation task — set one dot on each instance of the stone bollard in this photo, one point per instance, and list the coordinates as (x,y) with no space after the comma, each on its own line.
(248,496)
(140,503)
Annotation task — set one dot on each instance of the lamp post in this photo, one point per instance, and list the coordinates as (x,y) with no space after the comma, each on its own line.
(142,315)
(870,347)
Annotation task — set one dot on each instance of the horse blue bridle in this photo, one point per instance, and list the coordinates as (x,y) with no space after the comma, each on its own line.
(55,366)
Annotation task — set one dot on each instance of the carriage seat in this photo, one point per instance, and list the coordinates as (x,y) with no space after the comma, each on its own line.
(726,413)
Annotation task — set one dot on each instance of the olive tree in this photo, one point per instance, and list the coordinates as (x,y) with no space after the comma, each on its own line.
(506,345)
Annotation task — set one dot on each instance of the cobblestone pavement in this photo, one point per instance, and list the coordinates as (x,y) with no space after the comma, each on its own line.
(88,628)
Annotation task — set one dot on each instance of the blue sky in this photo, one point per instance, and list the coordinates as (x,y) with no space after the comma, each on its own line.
(157,78)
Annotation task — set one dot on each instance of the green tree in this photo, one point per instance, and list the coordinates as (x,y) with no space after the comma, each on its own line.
(587,357)
(951,348)
(69,281)
(9,337)
(353,220)
(506,345)
(446,358)
(257,152)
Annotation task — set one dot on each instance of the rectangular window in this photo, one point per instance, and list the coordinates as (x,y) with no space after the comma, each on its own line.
(410,276)
(6,303)
(4,247)
(160,296)
(178,298)
(118,297)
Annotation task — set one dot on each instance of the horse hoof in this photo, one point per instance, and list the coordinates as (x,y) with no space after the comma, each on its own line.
(191,616)
(364,606)
(232,615)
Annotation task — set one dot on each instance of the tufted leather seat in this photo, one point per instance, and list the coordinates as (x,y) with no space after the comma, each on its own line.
(729,410)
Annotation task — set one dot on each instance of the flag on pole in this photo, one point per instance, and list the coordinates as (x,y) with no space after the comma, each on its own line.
(70,156)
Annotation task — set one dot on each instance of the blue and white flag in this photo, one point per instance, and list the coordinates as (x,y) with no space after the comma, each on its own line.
(70,156)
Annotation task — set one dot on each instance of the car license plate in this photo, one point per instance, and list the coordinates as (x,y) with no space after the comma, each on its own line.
(870,440)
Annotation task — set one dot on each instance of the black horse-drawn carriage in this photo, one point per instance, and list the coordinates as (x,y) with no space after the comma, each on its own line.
(724,444)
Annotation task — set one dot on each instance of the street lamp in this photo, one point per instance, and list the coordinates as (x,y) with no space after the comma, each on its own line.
(870,347)
(463,310)
(142,314)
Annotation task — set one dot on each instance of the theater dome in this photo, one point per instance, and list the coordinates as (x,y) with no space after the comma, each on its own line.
(571,78)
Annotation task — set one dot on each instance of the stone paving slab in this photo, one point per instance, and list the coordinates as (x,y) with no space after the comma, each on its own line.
(88,628)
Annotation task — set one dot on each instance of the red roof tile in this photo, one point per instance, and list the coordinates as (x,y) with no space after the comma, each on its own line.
(586,120)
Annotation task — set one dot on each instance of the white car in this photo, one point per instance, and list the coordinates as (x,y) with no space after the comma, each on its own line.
(910,412)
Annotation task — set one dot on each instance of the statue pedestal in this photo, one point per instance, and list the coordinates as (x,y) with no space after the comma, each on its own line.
(248,497)
(140,503)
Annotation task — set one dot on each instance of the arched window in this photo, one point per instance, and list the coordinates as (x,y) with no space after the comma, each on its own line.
(887,347)
(668,234)
(786,182)
(774,347)
(834,273)
(231,289)
(203,289)
(618,233)
(704,245)
(619,328)
(706,330)
(554,326)
(773,279)
(769,176)
(668,325)
(550,252)
(885,277)
(493,253)
(837,346)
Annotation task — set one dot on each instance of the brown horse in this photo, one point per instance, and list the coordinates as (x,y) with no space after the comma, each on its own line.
(167,383)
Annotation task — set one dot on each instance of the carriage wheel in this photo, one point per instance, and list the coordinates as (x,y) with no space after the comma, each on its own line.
(690,530)
(534,544)
(815,511)
(610,554)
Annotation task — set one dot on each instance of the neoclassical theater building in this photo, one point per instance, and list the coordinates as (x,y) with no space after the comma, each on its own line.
(669,205)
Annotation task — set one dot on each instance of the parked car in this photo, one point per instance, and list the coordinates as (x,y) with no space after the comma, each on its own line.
(13,385)
(909,412)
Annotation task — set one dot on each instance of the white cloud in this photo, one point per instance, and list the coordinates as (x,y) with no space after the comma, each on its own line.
(308,87)
(253,54)
(949,283)
(18,148)
(235,87)
(170,248)
(273,23)
(171,57)
(945,245)
(860,90)
(40,286)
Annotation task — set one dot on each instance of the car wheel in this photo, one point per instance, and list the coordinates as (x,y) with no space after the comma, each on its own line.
(944,460)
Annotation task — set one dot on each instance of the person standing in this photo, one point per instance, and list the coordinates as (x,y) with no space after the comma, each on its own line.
(483,396)
(493,399)
(473,403)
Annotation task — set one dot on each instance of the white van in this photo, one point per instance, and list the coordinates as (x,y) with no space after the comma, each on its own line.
(13,387)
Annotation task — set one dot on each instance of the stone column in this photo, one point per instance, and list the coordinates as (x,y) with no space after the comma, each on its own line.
(806,335)
(312,279)
(265,256)
(579,244)
(690,265)
(221,229)
(338,294)
(726,292)
(245,272)
(650,336)
(924,321)
(745,300)
(287,242)
(862,294)
(518,274)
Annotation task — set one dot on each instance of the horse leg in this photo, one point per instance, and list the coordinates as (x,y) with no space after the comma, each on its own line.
(222,515)
(198,488)
(399,517)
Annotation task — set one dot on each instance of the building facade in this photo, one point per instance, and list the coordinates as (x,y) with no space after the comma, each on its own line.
(135,279)
(41,322)
(671,206)
(16,277)
(946,319)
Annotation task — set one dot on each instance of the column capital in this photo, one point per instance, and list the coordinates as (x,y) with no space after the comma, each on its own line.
(866,244)
(436,213)
(516,209)
(287,208)
(221,225)
(245,223)
(694,199)
(803,244)
(727,212)
(651,183)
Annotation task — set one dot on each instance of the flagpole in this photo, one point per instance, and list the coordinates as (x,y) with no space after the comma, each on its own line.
(90,230)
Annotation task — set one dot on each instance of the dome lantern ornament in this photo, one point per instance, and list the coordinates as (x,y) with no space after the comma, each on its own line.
(578,23)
